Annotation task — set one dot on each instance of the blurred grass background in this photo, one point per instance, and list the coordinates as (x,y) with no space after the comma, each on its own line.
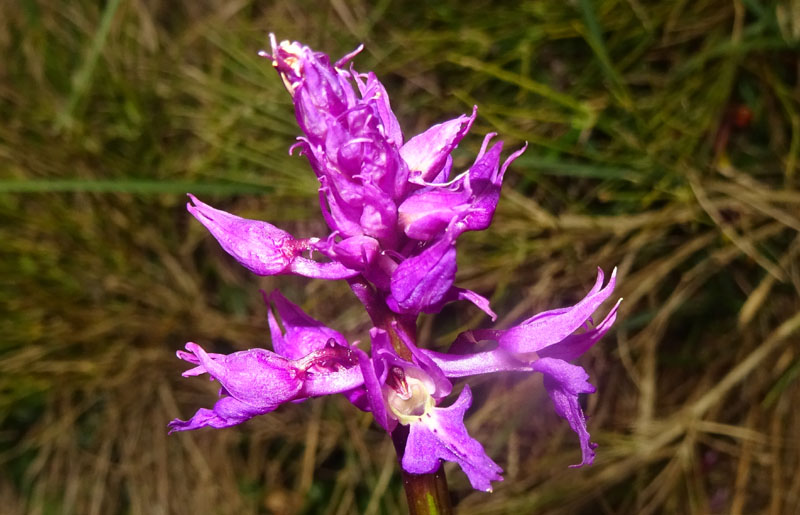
(664,138)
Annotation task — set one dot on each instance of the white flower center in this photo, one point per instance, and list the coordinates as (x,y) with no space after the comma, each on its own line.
(408,394)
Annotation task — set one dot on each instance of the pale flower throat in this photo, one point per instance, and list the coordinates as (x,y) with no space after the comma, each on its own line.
(408,394)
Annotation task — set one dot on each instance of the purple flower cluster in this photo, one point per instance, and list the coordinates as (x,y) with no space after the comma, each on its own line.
(395,210)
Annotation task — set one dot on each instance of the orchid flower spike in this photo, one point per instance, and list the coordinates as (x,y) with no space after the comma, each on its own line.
(395,209)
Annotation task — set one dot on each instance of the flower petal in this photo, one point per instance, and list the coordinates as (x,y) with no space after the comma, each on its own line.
(422,281)
(457,293)
(339,373)
(303,335)
(256,377)
(261,247)
(373,90)
(427,212)
(573,346)
(563,383)
(441,434)
(374,396)
(228,411)
(551,327)
(485,180)
(355,252)
(486,362)
(426,153)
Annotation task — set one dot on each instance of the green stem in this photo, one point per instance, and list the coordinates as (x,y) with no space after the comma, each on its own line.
(427,494)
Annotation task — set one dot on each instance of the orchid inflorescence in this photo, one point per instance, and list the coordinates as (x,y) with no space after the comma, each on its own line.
(395,214)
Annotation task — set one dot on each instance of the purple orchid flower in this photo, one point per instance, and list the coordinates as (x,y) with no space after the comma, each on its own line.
(544,343)
(395,216)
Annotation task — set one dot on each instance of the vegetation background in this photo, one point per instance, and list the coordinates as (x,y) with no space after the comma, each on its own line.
(664,139)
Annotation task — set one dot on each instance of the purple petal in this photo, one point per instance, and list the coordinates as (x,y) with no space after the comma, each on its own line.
(551,327)
(379,215)
(260,247)
(573,346)
(484,184)
(440,434)
(428,212)
(374,394)
(563,383)
(374,90)
(334,369)
(310,268)
(227,412)
(487,362)
(355,252)
(257,377)
(358,398)
(426,153)
(457,293)
(421,281)
(303,335)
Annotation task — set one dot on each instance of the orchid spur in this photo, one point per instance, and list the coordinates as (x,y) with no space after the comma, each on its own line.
(395,209)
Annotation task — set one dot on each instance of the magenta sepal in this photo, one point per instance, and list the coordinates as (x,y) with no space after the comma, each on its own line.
(457,293)
(426,153)
(355,252)
(575,345)
(554,326)
(303,335)
(469,201)
(484,362)
(261,247)
(372,399)
(374,91)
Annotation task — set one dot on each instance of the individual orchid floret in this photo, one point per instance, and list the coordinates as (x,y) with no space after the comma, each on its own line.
(470,200)
(408,393)
(263,248)
(543,343)
(439,214)
(253,382)
(257,381)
